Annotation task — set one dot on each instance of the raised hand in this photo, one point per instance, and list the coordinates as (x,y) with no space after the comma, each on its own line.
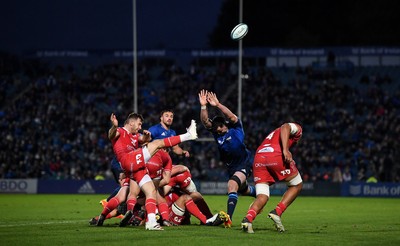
(212,99)
(203,97)
(114,120)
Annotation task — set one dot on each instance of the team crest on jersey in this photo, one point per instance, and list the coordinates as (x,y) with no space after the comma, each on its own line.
(221,141)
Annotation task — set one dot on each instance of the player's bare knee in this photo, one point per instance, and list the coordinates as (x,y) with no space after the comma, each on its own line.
(233,184)
(262,199)
(196,196)
(186,198)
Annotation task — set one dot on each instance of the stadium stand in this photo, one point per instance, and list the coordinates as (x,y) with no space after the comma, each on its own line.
(54,119)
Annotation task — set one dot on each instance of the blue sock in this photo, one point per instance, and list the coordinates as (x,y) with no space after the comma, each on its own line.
(252,191)
(232,200)
(113,193)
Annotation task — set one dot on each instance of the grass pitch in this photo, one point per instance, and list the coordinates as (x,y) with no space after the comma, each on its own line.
(63,220)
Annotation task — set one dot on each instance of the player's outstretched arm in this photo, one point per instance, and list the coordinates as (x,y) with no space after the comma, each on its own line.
(203,110)
(179,151)
(212,99)
(113,133)
(284,136)
(177,169)
(166,177)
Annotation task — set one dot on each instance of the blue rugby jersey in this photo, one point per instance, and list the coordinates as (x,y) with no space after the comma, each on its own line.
(159,132)
(233,151)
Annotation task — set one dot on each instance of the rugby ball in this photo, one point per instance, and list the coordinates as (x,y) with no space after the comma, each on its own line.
(239,31)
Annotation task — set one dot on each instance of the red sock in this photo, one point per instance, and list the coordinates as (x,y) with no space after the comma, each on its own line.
(130,204)
(251,215)
(172,141)
(280,208)
(193,209)
(151,206)
(111,205)
(164,211)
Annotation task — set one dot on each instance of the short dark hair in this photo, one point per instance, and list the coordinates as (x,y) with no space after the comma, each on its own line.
(134,116)
(166,110)
(218,121)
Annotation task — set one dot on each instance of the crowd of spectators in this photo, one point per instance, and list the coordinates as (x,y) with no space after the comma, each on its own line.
(54,119)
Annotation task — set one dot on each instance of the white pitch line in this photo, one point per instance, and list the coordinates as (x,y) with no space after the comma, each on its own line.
(44,223)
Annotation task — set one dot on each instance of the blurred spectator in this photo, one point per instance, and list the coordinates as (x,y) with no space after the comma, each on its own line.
(57,116)
(99,176)
(346,174)
(372,179)
(337,175)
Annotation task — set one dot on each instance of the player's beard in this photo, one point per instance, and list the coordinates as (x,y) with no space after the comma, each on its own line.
(168,124)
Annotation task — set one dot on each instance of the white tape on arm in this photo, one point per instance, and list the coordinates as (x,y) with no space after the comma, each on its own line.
(293,128)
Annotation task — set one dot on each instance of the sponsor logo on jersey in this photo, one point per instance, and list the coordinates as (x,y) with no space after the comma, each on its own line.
(265,164)
(266,148)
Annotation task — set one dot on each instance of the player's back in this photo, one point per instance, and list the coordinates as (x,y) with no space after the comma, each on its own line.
(273,141)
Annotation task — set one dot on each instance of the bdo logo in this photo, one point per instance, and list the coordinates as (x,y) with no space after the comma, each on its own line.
(17,186)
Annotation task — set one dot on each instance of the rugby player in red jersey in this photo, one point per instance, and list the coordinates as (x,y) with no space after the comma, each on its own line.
(159,169)
(179,192)
(133,160)
(274,162)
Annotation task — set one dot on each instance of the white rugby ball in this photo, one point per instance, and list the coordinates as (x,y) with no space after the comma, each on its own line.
(239,31)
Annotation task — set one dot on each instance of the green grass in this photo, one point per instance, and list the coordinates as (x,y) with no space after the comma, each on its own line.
(63,220)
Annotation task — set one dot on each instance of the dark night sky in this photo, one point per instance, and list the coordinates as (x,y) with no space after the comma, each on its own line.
(105,24)
(27,25)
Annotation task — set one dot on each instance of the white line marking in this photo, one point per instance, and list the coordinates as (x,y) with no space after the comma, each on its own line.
(44,223)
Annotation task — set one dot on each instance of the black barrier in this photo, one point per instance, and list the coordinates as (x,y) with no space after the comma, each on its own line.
(353,189)
(321,189)
(309,188)
(76,186)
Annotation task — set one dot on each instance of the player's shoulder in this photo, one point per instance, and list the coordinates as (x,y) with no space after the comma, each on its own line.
(236,124)
(121,130)
(154,127)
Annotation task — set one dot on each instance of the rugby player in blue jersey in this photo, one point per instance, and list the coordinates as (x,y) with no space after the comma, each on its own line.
(229,135)
(163,130)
